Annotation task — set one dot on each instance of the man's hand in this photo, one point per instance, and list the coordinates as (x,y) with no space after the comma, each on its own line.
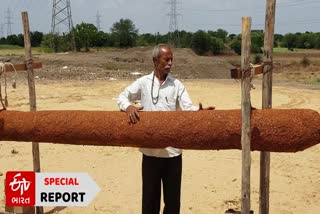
(207,108)
(133,114)
(252,108)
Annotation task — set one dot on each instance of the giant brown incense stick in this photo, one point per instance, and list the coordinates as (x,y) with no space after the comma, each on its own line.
(276,130)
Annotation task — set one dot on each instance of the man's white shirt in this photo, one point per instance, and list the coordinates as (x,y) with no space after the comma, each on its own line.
(171,95)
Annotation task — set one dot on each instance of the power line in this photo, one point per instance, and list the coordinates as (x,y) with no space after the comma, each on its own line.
(306,21)
(281,4)
(295,3)
(217,10)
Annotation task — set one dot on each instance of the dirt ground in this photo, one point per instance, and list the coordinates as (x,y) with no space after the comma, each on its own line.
(105,64)
(211,181)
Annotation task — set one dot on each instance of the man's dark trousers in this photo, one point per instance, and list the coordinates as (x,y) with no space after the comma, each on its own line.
(155,170)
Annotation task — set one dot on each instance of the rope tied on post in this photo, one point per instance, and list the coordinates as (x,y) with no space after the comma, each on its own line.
(14,83)
(247,72)
(250,72)
(268,66)
(27,62)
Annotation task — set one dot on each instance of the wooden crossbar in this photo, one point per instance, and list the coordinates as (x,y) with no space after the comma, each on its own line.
(237,74)
(23,66)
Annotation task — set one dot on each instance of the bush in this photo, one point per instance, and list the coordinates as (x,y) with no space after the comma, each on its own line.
(255,48)
(56,43)
(257,59)
(200,42)
(216,45)
(256,41)
(305,61)
(236,46)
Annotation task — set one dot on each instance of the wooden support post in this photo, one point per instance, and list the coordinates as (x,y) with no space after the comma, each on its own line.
(246,114)
(267,102)
(32,91)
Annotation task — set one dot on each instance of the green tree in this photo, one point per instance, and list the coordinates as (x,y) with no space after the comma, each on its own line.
(15,40)
(174,39)
(236,46)
(277,39)
(20,40)
(3,41)
(317,41)
(102,39)
(185,39)
(146,39)
(310,40)
(216,45)
(220,33)
(290,41)
(300,40)
(232,36)
(36,38)
(256,41)
(162,39)
(200,42)
(124,33)
(85,35)
(57,43)
(46,43)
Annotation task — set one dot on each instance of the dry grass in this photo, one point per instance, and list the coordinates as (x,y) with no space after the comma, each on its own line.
(298,66)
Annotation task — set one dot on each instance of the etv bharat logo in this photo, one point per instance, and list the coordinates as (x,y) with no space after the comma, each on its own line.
(22,185)
(20,188)
(49,189)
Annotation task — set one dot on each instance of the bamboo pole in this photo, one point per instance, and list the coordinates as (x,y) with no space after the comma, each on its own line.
(246,114)
(32,91)
(267,102)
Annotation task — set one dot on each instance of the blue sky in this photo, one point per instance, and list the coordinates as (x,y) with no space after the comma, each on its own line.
(151,16)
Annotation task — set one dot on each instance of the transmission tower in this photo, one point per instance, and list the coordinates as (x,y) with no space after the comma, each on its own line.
(98,20)
(174,38)
(1,31)
(8,22)
(61,15)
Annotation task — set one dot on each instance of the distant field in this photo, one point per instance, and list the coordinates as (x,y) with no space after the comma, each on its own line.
(297,66)
(280,50)
(14,50)
(10,47)
(285,50)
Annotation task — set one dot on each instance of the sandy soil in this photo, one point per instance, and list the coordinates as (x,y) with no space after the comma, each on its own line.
(211,179)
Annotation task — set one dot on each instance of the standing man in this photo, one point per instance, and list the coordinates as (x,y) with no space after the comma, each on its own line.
(159,91)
